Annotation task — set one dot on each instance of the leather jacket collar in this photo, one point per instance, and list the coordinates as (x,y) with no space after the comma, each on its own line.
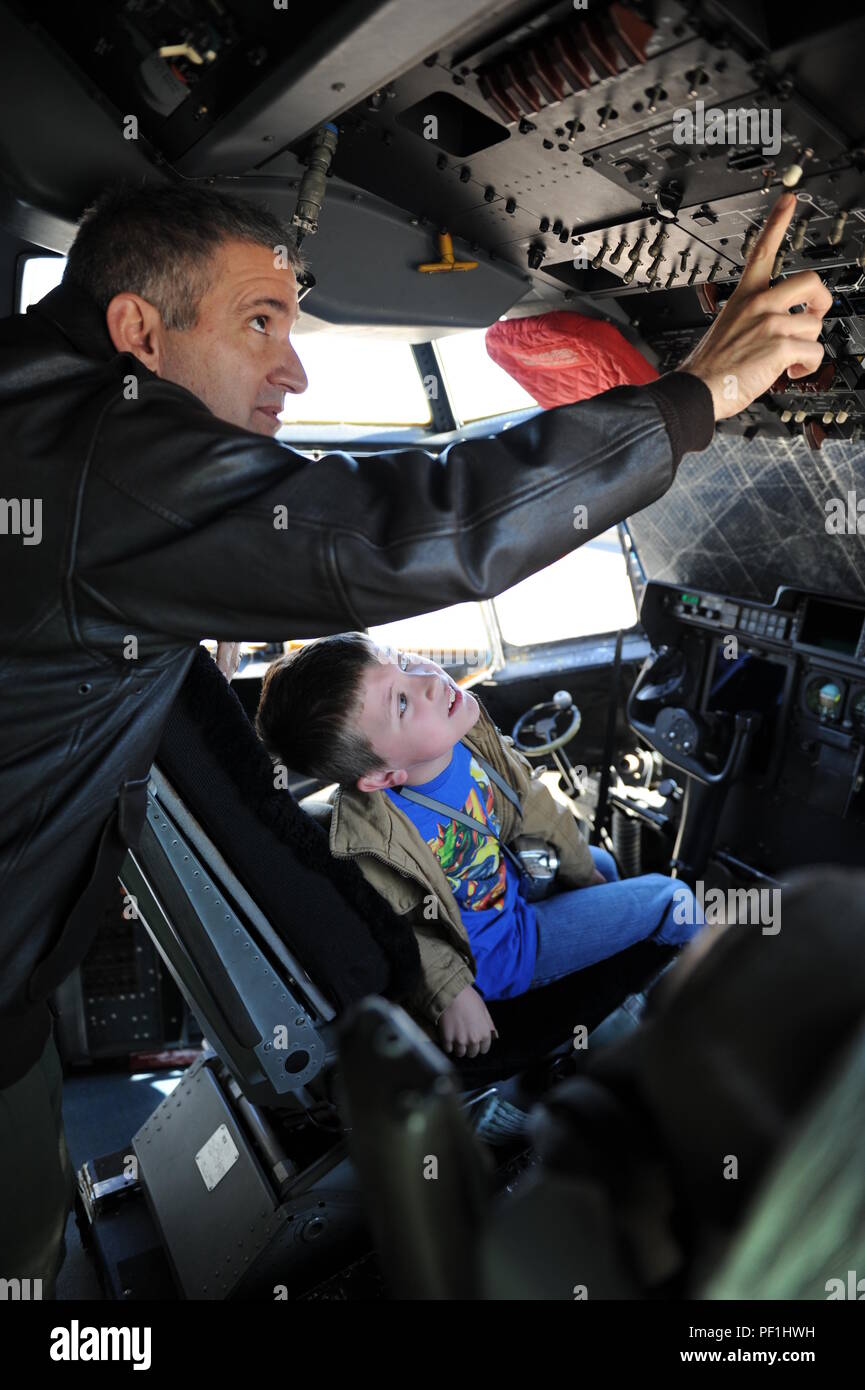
(79,319)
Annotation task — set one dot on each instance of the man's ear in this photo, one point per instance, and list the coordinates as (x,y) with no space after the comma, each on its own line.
(380,779)
(136,326)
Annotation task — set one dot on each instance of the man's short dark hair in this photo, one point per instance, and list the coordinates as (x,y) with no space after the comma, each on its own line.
(158,241)
(310,699)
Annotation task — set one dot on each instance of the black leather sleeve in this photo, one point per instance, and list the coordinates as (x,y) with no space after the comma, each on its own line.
(193,527)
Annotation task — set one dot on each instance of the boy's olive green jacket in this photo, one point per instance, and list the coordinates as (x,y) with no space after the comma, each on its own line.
(396,861)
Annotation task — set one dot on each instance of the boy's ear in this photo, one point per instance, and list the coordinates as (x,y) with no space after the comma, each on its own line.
(380,779)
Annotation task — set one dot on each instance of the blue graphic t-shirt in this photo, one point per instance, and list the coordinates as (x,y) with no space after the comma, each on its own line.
(500,924)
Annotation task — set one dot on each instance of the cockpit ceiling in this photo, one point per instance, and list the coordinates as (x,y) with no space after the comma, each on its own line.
(620,155)
(747,515)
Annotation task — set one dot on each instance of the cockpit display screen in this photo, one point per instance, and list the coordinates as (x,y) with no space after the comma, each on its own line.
(832,627)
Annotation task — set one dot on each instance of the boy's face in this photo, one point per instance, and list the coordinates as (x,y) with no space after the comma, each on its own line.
(413,714)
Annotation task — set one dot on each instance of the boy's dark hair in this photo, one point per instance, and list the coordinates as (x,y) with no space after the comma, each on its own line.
(158,241)
(308,698)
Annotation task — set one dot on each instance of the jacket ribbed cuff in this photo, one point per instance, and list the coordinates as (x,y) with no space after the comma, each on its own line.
(688,410)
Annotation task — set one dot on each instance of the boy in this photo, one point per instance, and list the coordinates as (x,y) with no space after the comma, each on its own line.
(382,724)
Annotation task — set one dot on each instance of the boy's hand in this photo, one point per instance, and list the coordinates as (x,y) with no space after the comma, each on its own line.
(466,1026)
(755,338)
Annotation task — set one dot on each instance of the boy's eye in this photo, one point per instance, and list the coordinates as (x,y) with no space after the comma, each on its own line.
(260,318)
(402,706)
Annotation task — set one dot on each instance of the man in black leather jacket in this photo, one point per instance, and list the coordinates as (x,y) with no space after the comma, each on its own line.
(147,506)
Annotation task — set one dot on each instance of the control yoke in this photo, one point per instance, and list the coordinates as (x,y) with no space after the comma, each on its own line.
(679,738)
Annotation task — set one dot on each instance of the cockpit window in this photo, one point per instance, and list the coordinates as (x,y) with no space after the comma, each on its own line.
(476,385)
(357,381)
(39,275)
(586,592)
(456,638)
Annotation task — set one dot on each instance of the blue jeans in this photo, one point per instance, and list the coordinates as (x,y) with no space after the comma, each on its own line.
(585,925)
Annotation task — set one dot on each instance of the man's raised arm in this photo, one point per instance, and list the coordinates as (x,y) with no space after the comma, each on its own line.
(237,534)
(304,548)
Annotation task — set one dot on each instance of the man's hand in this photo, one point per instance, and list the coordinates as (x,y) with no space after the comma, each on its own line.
(597,877)
(466,1026)
(755,338)
(228,658)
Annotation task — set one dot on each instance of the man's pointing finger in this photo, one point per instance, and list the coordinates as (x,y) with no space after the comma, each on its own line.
(758,270)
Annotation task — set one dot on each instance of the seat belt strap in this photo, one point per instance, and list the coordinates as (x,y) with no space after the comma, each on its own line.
(461,816)
(500,782)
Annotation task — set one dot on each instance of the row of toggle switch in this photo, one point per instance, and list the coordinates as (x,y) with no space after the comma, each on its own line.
(656,252)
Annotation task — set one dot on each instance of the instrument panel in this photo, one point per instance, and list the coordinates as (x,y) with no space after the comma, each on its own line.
(812,626)
(797,622)
(797,664)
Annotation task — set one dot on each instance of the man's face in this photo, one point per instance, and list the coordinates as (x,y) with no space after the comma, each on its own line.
(412,712)
(238,358)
